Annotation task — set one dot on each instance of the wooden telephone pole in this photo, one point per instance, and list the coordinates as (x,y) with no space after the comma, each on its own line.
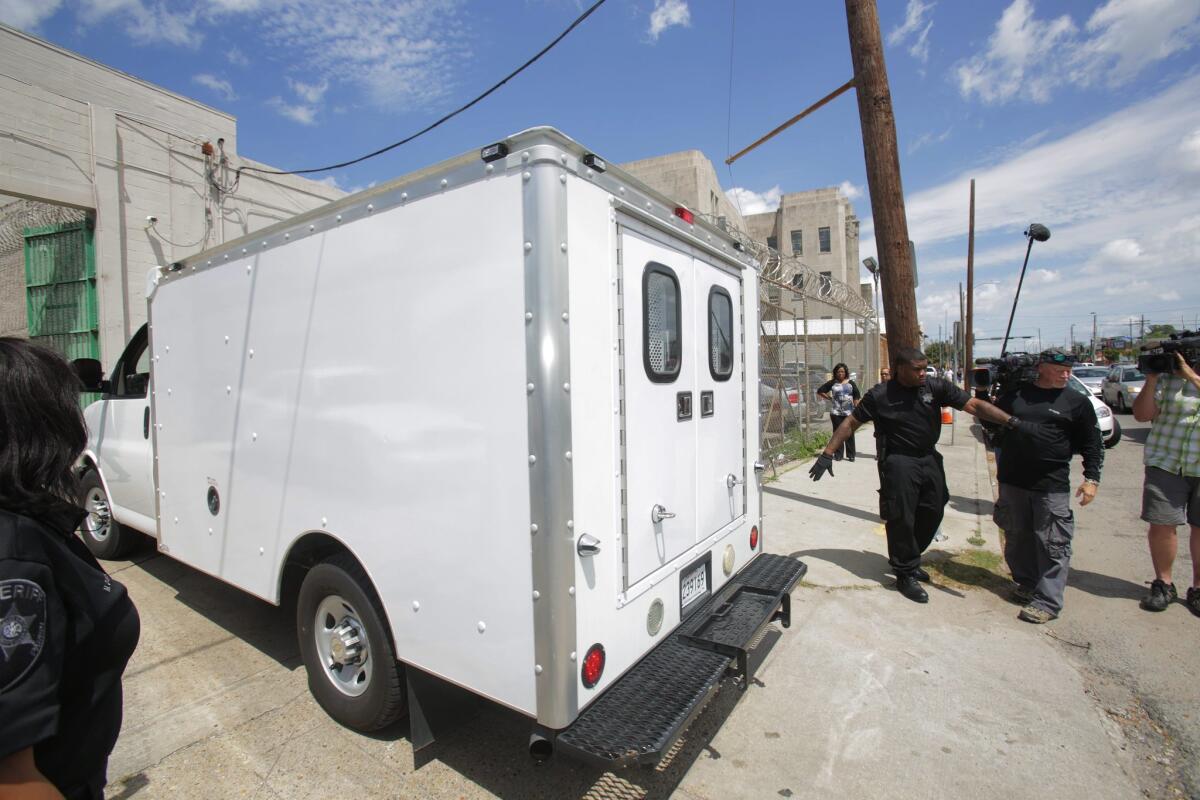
(883,175)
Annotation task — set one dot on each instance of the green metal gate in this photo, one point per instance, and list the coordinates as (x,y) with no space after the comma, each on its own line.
(60,289)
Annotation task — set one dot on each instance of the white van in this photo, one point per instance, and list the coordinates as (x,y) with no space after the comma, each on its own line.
(502,417)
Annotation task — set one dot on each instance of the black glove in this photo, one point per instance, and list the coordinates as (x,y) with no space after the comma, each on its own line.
(1020,426)
(823,464)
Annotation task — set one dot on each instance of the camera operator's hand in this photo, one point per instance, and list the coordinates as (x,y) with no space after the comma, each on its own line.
(824,463)
(1185,371)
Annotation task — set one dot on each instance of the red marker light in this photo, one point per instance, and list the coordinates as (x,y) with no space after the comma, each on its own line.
(685,215)
(593,666)
(754,538)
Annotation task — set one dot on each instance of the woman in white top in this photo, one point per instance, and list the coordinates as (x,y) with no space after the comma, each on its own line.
(843,395)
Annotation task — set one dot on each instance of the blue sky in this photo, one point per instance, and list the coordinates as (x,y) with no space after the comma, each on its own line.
(1083,115)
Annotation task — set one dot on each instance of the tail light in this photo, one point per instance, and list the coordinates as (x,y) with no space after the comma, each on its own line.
(794,398)
(754,538)
(593,666)
(685,215)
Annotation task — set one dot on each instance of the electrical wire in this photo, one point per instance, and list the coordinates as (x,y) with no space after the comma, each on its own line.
(578,21)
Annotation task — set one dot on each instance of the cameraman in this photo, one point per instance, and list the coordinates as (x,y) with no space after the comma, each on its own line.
(1171,492)
(1034,509)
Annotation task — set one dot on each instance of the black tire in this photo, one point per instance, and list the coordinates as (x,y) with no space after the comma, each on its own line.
(1115,436)
(361,697)
(103,535)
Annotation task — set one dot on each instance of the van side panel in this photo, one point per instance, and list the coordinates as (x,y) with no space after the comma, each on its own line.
(376,391)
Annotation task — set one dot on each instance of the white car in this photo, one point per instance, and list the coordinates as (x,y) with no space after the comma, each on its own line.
(1110,428)
(1121,386)
(1090,376)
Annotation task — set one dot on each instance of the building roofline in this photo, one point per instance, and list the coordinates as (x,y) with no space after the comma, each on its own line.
(78,57)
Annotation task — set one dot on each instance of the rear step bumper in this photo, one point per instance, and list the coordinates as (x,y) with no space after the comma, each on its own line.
(639,717)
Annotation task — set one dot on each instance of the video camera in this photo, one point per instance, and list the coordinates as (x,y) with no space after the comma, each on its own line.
(993,377)
(1160,358)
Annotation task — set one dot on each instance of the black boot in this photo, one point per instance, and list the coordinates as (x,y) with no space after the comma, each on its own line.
(908,586)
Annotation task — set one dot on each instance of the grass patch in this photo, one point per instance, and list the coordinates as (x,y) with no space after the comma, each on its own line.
(981,568)
(796,446)
(977,540)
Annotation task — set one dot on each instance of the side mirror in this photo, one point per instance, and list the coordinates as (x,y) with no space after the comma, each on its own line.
(91,375)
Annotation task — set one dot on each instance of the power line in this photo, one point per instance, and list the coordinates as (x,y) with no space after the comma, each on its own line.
(578,21)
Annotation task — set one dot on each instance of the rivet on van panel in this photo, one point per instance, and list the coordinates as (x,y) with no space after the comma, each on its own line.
(260,551)
(533,528)
(536,594)
(528,246)
(571,591)
(324,521)
(567,455)
(562,178)
(228,389)
(529,388)
(566,387)
(525,156)
(481,627)
(526,175)
(570,524)
(572,655)
(532,459)
(445,183)
(529,316)
(537,669)
(489,169)
(416,606)
(566,317)
(370,207)
(254,437)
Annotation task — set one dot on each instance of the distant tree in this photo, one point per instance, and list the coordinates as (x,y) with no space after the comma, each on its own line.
(1112,355)
(1159,331)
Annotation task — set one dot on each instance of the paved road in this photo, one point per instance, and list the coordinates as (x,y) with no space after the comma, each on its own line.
(1153,655)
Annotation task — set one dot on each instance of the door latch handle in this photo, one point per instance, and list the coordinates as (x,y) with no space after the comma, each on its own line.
(146,423)
(731,480)
(658,514)
(759,466)
(587,545)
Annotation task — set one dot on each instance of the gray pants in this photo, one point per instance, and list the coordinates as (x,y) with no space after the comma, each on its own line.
(1038,528)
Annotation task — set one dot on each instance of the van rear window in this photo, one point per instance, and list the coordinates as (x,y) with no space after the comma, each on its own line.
(662,324)
(720,334)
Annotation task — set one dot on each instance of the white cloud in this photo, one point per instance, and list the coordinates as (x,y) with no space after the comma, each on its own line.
(27,14)
(1169,295)
(1114,196)
(305,115)
(1045,275)
(1029,58)
(147,24)
(928,138)
(236,57)
(1189,151)
(750,202)
(850,191)
(916,26)
(399,55)
(666,14)
(310,93)
(219,85)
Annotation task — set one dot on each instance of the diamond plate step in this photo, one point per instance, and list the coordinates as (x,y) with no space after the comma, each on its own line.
(639,717)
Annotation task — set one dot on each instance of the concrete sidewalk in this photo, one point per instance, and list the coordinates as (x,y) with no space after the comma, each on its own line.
(872,695)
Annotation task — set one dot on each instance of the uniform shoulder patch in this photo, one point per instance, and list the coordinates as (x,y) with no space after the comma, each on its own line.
(22,629)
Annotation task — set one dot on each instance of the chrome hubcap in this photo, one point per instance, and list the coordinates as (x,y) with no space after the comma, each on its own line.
(99,516)
(342,645)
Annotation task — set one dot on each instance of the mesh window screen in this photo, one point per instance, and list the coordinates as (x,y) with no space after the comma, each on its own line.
(662,324)
(720,334)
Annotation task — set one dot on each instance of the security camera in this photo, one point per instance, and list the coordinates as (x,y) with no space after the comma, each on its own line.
(152,219)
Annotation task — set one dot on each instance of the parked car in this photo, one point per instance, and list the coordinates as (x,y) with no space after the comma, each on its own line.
(771,390)
(1121,386)
(1090,376)
(1110,428)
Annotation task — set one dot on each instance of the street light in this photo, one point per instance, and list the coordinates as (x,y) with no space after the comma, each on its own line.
(873,267)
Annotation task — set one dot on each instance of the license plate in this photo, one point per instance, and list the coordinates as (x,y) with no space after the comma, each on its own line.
(693,584)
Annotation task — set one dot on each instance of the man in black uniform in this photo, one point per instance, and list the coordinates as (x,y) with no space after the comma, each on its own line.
(907,413)
(1034,509)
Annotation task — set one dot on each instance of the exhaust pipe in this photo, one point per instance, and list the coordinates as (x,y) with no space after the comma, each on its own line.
(541,745)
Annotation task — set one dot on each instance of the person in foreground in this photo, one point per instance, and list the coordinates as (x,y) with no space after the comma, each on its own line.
(1171,491)
(912,481)
(66,628)
(1034,508)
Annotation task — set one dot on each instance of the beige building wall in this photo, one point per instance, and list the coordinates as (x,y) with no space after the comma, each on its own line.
(78,133)
(688,178)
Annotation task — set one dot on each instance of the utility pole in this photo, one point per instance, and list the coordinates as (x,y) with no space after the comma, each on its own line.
(883,174)
(962,328)
(969,326)
(1093,337)
(1072,337)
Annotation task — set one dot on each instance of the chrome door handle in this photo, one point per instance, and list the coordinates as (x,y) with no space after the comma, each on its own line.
(731,480)
(759,466)
(587,545)
(658,514)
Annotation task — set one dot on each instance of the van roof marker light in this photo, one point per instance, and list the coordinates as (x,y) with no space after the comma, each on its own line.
(494,152)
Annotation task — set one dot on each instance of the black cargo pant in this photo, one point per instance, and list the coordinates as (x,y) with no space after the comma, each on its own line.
(912,501)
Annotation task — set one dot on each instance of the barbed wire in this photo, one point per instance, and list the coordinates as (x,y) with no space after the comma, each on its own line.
(791,271)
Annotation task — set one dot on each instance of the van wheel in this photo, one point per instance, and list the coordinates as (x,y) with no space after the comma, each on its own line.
(346,647)
(103,535)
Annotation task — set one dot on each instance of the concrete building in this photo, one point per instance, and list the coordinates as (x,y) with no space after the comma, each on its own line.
(149,176)
(689,178)
(820,229)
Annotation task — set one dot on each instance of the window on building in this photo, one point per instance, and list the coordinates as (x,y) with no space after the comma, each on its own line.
(797,243)
(823,240)
(773,242)
(825,287)
(661,324)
